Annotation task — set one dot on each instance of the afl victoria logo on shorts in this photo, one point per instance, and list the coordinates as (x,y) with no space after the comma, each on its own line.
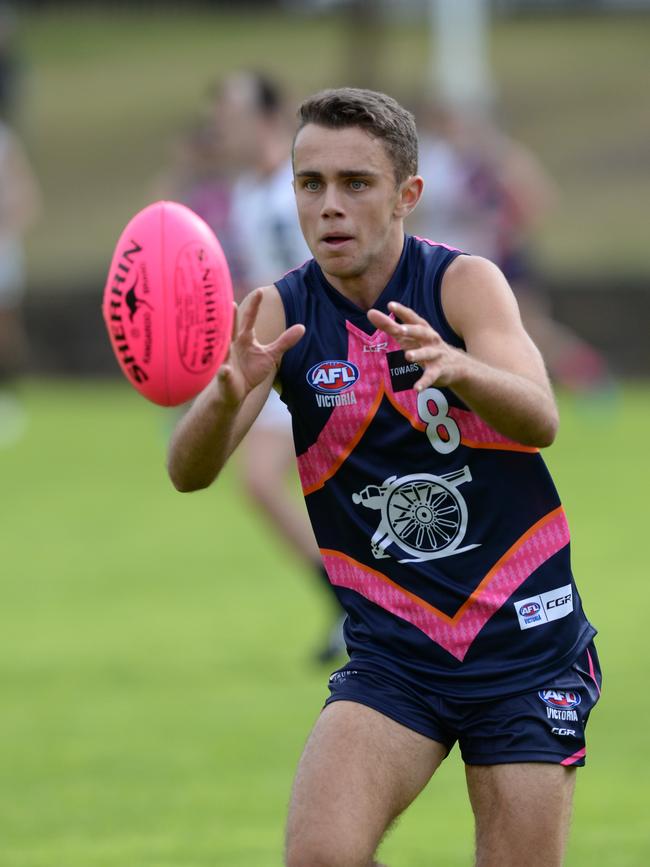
(562,699)
(561,704)
(332,377)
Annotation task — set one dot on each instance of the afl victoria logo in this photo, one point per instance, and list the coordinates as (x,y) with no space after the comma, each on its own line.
(563,699)
(332,377)
(530,609)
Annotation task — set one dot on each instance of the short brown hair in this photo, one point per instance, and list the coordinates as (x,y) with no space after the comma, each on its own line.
(377,113)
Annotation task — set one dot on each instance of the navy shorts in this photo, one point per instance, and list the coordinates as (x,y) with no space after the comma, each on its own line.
(544,725)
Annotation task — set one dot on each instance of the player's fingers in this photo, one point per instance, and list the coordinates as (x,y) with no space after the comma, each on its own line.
(249,311)
(422,354)
(417,333)
(230,392)
(224,376)
(286,340)
(406,314)
(383,322)
(235,317)
(429,377)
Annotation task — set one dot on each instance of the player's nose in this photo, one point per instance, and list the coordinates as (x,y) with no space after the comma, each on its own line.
(331,204)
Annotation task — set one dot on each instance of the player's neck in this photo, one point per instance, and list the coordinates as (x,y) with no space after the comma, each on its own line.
(365,288)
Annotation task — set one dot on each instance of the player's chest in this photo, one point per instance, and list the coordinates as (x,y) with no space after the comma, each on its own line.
(346,366)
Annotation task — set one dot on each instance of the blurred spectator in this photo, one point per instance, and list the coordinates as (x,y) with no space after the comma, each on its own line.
(487,194)
(19,207)
(8,61)
(258,129)
(236,173)
(201,174)
(257,132)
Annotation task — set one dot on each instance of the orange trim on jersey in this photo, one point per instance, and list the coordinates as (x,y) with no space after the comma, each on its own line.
(436,611)
(504,447)
(474,597)
(501,562)
(417,423)
(342,457)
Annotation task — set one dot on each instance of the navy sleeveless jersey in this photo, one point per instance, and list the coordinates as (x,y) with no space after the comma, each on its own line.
(446,541)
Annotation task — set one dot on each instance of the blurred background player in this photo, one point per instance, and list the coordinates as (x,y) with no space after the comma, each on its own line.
(10,65)
(234,169)
(19,208)
(257,126)
(487,194)
(201,174)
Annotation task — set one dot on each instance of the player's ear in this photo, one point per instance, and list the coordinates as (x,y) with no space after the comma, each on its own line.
(410,192)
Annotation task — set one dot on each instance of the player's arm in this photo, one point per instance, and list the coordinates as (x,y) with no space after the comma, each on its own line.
(216,423)
(501,376)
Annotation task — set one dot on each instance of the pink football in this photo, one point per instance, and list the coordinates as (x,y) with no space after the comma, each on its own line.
(168,303)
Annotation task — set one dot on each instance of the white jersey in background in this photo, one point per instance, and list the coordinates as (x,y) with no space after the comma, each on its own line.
(266,224)
(12,265)
(455,209)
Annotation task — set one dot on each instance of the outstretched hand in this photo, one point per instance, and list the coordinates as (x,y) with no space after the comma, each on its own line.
(250,362)
(423,345)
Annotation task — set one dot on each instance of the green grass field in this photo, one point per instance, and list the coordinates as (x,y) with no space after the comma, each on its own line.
(156,689)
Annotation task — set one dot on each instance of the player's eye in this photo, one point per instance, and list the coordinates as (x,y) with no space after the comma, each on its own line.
(311,185)
(357,185)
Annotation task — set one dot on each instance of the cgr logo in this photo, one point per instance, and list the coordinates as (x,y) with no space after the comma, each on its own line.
(560,600)
(529,609)
(332,377)
(560,698)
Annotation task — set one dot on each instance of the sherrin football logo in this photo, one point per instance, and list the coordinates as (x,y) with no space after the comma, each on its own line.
(332,377)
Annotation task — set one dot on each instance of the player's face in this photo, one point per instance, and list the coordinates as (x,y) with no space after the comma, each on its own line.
(349,204)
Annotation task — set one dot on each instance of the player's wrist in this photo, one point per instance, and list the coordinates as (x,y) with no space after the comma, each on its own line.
(222,398)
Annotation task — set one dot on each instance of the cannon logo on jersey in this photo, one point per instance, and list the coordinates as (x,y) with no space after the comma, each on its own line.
(422,515)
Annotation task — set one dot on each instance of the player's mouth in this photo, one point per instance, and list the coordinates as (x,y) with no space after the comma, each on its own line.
(335,240)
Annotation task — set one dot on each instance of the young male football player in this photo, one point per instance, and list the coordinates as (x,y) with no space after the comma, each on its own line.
(419,405)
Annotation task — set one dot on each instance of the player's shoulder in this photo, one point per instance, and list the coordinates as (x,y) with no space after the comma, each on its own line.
(295,288)
(271,300)
(467,270)
(271,320)
(427,248)
(428,261)
(474,288)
